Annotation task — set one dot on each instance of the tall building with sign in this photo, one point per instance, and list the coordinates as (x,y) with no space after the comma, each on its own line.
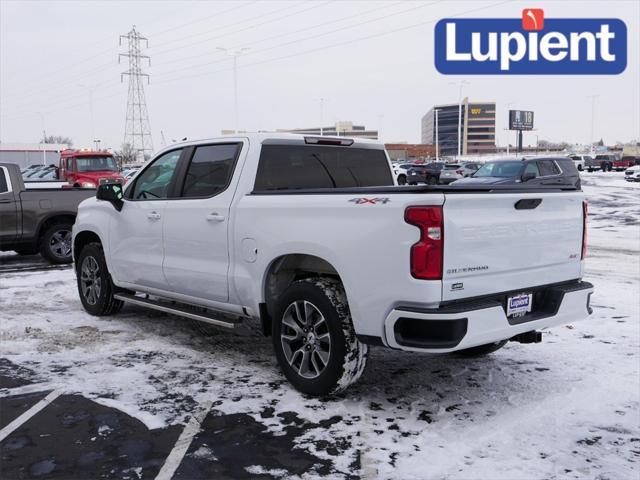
(478,128)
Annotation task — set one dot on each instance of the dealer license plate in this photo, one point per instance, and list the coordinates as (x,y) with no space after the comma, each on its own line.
(519,305)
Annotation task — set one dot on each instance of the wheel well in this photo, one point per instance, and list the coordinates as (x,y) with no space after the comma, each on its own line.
(49,222)
(282,272)
(82,239)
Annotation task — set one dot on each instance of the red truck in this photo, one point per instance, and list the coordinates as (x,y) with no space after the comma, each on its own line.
(88,169)
(625,162)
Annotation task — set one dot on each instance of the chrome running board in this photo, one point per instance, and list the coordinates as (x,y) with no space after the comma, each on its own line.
(194,312)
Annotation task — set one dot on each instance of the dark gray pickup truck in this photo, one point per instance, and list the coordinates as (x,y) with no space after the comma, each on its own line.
(38,220)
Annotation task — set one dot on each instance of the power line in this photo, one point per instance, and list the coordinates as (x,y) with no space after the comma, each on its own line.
(285,34)
(162,52)
(339,44)
(298,40)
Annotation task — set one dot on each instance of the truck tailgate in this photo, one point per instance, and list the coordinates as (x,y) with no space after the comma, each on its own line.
(499,242)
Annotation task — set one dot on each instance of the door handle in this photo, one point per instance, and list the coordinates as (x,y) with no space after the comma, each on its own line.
(215,217)
(153,216)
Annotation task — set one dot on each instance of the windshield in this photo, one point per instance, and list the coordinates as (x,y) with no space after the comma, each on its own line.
(96,164)
(499,169)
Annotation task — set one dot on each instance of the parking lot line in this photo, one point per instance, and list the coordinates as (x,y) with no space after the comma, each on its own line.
(179,450)
(6,431)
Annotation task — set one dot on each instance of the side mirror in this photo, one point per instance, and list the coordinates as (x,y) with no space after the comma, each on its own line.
(112,193)
(528,176)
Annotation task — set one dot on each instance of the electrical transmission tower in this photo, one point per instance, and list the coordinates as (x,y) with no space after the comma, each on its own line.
(137,131)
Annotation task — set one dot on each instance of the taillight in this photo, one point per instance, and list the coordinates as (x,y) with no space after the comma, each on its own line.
(426,254)
(584,229)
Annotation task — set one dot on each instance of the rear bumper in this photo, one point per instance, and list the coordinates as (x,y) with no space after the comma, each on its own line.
(467,324)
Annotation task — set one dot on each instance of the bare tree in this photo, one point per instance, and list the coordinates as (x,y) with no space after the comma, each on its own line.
(126,154)
(58,139)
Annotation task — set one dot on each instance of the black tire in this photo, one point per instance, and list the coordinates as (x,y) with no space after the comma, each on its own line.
(346,358)
(580,168)
(432,181)
(102,302)
(402,180)
(482,350)
(55,244)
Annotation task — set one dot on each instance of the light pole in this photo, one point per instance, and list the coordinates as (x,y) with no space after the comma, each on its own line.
(593,111)
(321,116)
(461,84)
(437,138)
(507,129)
(44,139)
(235,54)
(96,144)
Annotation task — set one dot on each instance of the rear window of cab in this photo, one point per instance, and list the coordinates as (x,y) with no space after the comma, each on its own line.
(291,167)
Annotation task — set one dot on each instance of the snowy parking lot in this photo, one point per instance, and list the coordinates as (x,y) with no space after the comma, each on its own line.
(148,395)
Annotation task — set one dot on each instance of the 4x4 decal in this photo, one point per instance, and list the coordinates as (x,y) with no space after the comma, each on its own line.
(372,201)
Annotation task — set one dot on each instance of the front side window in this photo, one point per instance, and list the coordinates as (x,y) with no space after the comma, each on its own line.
(154,182)
(70,164)
(285,167)
(531,167)
(210,170)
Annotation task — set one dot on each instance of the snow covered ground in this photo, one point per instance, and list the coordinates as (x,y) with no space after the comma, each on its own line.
(566,408)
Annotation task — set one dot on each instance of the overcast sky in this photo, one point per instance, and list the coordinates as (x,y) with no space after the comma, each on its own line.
(372,61)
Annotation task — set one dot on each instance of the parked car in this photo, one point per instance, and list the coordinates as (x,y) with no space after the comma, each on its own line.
(400,171)
(427,173)
(625,162)
(456,171)
(602,162)
(632,174)
(559,171)
(581,161)
(308,237)
(33,221)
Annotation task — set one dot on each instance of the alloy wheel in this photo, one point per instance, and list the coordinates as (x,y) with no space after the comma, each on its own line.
(90,280)
(305,337)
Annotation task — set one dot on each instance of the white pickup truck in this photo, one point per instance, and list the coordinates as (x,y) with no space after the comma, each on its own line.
(310,237)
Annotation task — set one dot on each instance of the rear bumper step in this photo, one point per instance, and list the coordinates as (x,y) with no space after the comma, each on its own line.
(194,312)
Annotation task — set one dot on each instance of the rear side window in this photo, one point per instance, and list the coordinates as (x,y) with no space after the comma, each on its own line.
(285,167)
(3,181)
(568,167)
(210,170)
(548,167)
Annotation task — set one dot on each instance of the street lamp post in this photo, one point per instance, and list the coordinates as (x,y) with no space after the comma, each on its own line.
(461,84)
(321,116)
(437,138)
(507,129)
(593,111)
(234,54)
(44,139)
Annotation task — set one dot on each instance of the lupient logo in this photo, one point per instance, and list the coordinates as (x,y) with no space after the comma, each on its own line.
(531,45)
